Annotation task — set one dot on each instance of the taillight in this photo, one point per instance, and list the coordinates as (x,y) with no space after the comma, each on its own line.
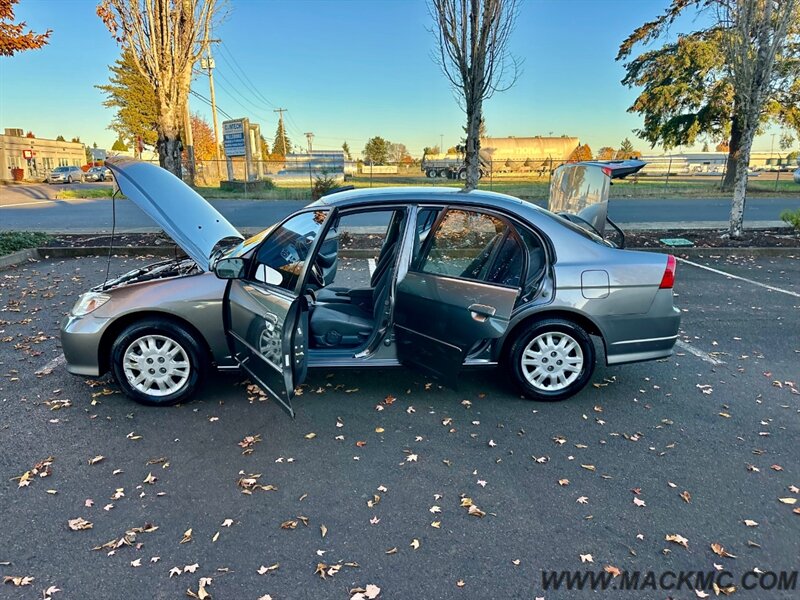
(606,170)
(668,279)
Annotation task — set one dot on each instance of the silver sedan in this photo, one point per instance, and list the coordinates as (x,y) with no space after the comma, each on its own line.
(448,279)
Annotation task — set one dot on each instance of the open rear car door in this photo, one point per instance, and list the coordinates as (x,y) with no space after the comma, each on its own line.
(452,297)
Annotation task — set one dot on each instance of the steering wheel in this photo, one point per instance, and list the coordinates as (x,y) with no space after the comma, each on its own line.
(317,277)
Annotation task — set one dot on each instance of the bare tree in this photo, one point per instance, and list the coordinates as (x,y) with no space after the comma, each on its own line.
(756,34)
(472,38)
(166,37)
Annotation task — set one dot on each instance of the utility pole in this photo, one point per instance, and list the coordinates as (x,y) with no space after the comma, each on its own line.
(309,138)
(441,143)
(188,140)
(280,111)
(207,64)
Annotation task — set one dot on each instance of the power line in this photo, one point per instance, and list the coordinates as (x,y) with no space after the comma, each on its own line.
(244,74)
(207,101)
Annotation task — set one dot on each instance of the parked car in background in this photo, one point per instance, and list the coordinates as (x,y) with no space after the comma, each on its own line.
(476,279)
(65,175)
(797,176)
(98,174)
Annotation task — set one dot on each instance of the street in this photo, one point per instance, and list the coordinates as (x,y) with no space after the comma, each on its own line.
(28,208)
(373,474)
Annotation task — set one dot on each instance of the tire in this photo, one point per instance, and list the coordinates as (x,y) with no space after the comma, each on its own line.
(431,173)
(69,179)
(444,174)
(462,175)
(153,336)
(532,378)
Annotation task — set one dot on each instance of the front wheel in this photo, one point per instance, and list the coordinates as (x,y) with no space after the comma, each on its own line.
(552,360)
(158,363)
(69,178)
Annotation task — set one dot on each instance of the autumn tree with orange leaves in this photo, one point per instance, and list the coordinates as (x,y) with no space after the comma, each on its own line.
(13,37)
(203,137)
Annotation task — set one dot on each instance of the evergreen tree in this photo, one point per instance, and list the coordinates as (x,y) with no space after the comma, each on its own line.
(119,146)
(346,148)
(282,145)
(60,138)
(131,94)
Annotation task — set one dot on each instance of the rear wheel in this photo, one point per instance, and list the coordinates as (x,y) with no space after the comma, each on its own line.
(552,359)
(462,174)
(431,173)
(158,363)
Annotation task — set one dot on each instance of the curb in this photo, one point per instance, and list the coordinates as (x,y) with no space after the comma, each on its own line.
(20,256)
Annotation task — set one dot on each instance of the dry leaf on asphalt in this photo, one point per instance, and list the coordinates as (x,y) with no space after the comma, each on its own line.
(719,550)
(79,524)
(678,539)
(187,537)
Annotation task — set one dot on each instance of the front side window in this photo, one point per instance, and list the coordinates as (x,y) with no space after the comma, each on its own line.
(465,244)
(280,259)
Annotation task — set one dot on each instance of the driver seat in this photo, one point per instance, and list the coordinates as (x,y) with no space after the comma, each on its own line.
(346,325)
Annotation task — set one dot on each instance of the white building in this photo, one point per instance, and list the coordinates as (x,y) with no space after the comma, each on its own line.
(36,156)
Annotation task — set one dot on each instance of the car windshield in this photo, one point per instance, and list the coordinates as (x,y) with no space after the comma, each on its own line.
(62,169)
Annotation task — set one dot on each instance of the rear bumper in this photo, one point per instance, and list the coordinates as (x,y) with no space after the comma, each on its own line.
(80,341)
(649,336)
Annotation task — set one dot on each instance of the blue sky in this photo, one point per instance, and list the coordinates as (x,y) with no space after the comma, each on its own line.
(347,70)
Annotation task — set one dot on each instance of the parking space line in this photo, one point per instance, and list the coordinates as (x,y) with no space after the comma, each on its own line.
(699,353)
(730,275)
(26,203)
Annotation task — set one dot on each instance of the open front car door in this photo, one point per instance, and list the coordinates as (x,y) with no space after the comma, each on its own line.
(266,313)
(460,290)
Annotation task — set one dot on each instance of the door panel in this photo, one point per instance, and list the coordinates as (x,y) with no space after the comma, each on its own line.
(438,319)
(267,328)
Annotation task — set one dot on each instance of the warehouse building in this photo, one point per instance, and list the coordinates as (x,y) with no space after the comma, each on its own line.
(36,157)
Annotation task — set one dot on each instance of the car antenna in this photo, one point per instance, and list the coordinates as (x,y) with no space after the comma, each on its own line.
(113,230)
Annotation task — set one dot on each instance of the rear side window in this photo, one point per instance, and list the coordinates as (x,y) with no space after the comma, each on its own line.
(474,245)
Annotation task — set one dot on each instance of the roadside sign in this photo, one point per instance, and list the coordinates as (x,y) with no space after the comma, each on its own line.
(233,137)
(27,153)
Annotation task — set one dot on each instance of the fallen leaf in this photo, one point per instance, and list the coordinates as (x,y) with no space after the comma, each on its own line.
(323,530)
(750,523)
(96,459)
(719,550)
(310,436)
(638,501)
(788,500)
(586,558)
(687,497)
(187,537)
(678,539)
(415,544)
(79,524)
(262,570)
(614,571)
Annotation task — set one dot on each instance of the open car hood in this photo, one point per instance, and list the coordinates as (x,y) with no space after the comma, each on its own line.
(579,191)
(196,226)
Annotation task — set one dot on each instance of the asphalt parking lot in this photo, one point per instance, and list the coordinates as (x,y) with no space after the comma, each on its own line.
(370,480)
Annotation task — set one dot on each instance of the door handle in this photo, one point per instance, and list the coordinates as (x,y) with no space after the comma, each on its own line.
(480,312)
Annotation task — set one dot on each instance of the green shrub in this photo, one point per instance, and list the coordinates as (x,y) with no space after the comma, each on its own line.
(11,241)
(323,184)
(792,218)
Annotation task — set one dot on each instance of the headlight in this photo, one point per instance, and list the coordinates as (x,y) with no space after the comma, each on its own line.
(88,302)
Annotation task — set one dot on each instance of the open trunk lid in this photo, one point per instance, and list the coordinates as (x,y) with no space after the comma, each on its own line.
(579,191)
(196,226)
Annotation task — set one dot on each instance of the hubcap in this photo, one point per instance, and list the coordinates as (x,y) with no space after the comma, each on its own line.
(552,361)
(156,365)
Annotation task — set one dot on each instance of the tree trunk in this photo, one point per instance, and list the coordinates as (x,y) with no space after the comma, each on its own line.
(733,155)
(473,145)
(740,184)
(169,142)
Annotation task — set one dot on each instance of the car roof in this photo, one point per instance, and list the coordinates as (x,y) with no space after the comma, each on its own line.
(438,195)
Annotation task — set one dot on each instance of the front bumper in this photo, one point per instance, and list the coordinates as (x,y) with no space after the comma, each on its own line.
(80,341)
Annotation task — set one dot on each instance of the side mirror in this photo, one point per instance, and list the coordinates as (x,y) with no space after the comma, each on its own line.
(230,268)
